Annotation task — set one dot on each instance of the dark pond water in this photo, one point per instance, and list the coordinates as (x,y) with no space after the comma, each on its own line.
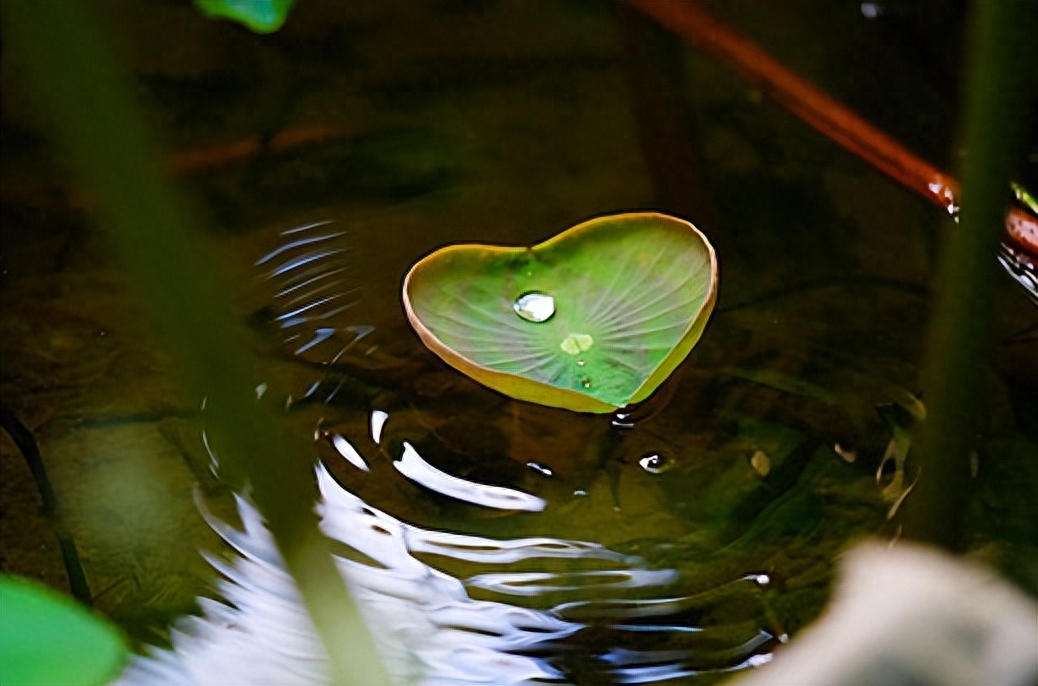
(493,540)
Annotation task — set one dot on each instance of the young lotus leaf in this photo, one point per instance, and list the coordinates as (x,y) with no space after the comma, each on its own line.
(591,320)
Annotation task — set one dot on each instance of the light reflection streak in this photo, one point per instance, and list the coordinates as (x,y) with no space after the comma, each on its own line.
(421,472)
(522,610)
(428,627)
(346,449)
(378,422)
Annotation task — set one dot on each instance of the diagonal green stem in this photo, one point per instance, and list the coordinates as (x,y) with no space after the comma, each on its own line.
(81,89)
(960,330)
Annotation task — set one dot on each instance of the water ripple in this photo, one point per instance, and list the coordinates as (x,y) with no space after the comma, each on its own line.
(427,624)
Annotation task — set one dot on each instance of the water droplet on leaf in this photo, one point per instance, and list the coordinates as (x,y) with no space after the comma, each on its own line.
(655,463)
(535,306)
(576,343)
(585,382)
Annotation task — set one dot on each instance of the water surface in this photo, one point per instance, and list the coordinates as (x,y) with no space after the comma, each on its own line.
(679,541)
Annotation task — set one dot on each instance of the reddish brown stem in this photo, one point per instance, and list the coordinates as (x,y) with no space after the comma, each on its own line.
(199,159)
(696,26)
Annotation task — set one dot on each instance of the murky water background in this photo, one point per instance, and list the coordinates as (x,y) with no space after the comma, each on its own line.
(683,541)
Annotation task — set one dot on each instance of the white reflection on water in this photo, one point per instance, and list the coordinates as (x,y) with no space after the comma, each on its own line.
(346,449)
(428,629)
(378,422)
(427,625)
(526,609)
(415,468)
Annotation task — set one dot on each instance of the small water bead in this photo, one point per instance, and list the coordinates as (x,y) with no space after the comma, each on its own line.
(580,363)
(760,462)
(540,469)
(585,382)
(576,343)
(622,420)
(630,416)
(655,463)
(845,454)
(535,306)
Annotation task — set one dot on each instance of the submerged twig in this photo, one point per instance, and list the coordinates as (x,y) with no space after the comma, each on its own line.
(26,443)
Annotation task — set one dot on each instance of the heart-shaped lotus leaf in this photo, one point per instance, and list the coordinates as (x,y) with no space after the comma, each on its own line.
(592,320)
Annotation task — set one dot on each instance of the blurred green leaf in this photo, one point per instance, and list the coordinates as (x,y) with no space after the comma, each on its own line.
(47,638)
(85,94)
(261,16)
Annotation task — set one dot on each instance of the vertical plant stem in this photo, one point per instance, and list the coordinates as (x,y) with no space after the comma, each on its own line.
(960,329)
(80,87)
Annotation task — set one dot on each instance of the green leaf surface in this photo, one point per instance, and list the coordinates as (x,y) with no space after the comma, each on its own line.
(631,295)
(261,16)
(47,639)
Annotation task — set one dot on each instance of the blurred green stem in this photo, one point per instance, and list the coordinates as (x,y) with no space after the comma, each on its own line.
(85,94)
(960,329)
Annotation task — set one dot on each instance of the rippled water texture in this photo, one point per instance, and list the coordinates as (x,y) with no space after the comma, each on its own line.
(503,555)
(441,628)
(487,540)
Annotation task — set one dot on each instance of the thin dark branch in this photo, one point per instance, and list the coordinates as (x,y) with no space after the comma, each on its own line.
(26,442)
